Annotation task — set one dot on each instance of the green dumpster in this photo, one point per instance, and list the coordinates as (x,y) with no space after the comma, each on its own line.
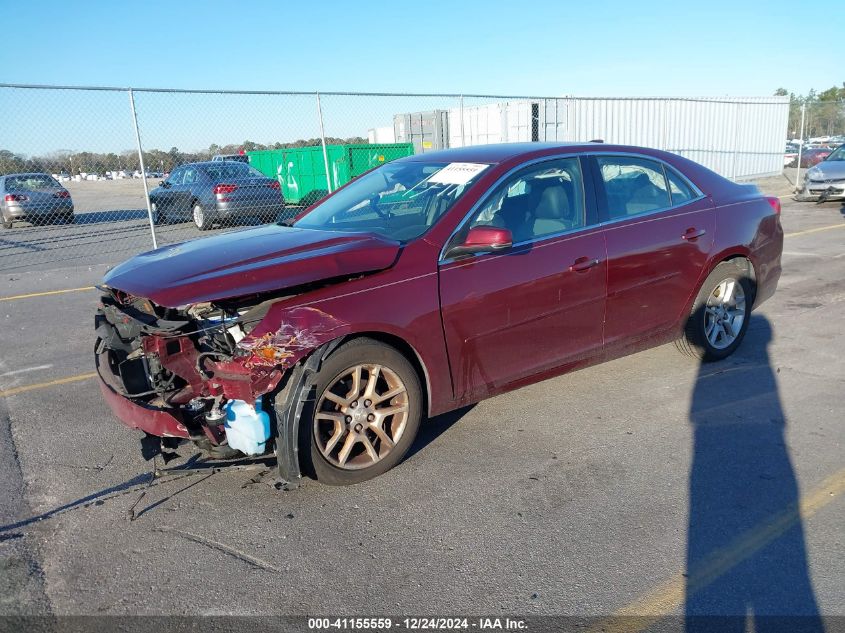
(301,171)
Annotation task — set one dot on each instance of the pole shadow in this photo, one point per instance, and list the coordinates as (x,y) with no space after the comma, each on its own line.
(747,567)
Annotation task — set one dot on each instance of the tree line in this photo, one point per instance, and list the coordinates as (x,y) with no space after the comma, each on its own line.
(824,112)
(69,162)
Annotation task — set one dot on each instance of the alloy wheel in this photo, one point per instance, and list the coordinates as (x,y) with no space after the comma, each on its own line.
(361,416)
(199,216)
(724,313)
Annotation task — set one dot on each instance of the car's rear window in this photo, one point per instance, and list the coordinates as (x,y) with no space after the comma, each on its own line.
(225,170)
(30,182)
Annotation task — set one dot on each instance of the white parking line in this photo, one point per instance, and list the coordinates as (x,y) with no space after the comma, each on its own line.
(25,370)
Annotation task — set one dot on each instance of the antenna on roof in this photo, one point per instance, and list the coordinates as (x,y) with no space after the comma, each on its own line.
(596,140)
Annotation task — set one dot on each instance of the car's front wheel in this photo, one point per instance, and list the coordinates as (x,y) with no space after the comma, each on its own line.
(159,216)
(720,314)
(201,219)
(367,413)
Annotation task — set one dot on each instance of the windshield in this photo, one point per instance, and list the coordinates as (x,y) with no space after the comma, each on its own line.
(837,154)
(30,182)
(400,201)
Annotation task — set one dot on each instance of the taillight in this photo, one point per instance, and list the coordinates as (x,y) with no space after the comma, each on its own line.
(274,184)
(16,197)
(61,194)
(221,189)
(775,204)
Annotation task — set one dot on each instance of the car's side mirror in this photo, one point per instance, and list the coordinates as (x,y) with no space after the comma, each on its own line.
(164,184)
(482,239)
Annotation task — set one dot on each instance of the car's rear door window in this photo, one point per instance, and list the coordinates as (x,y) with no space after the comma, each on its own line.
(679,189)
(633,185)
(190,176)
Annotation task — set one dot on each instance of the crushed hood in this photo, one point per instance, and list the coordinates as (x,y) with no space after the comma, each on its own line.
(246,262)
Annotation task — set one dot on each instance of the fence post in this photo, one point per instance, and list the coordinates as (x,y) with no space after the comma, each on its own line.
(143,169)
(736,141)
(463,139)
(800,147)
(323,141)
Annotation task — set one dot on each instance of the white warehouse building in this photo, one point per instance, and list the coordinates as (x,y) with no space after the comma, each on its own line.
(739,138)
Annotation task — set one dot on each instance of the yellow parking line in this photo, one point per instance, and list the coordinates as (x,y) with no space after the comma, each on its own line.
(45,294)
(43,385)
(670,594)
(816,230)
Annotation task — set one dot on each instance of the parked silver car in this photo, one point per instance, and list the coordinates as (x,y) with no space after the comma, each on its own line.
(826,180)
(35,198)
(217,191)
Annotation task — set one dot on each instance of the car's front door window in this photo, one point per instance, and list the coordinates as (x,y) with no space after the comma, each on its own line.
(175,177)
(539,201)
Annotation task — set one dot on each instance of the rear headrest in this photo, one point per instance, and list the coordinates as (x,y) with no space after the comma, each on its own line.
(641,181)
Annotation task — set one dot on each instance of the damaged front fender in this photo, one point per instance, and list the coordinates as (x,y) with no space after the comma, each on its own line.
(303,329)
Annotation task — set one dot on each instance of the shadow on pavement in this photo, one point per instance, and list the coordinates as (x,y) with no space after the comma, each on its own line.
(746,569)
(121,215)
(433,428)
(194,466)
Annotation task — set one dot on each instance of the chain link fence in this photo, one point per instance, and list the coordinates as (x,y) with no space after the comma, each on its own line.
(95,175)
(814,130)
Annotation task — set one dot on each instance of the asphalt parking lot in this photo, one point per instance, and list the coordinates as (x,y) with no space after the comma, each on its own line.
(649,485)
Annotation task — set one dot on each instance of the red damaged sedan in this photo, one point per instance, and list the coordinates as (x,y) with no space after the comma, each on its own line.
(425,285)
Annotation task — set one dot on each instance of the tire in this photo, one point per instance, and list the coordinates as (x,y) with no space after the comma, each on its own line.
(7,224)
(159,217)
(400,429)
(70,219)
(200,217)
(715,329)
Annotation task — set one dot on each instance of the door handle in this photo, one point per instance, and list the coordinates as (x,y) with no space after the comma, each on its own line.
(693,234)
(583,264)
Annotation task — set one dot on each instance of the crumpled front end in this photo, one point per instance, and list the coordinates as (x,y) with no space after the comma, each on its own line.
(173,372)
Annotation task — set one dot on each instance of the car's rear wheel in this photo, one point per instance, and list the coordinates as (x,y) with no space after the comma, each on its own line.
(720,314)
(7,224)
(367,414)
(201,219)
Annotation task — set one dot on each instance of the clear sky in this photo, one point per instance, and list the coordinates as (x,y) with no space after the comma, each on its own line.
(538,48)
(544,47)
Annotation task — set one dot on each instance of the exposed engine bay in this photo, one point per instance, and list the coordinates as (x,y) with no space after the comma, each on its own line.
(199,367)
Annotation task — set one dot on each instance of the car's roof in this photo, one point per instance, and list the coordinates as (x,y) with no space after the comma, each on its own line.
(28,173)
(501,152)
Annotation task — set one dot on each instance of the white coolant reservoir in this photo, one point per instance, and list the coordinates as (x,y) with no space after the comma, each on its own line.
(247,428)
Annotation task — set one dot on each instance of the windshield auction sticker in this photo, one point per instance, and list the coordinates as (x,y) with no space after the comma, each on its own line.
(457,173)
